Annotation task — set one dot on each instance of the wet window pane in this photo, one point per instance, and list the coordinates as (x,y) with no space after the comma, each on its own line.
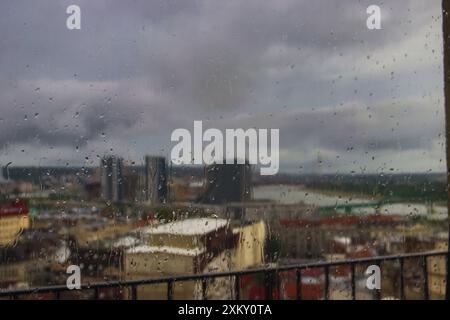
(165,140)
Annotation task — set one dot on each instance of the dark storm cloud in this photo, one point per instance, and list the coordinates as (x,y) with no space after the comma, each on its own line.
(137,70)
(52,116)
(349,127)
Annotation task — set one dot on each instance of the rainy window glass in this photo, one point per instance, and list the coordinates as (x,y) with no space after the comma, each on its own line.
(158,139)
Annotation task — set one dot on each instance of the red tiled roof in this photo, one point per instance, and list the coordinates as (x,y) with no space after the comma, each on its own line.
(14,208)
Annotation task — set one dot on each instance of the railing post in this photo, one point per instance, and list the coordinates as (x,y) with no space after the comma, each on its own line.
(170,290)
(204,289)
(299,284)
(96,293)
(237,287)
(426,294)
(133,292)
(278,285)
(402,280)
(353,284)
(327,283)
(378,291)
(269,285)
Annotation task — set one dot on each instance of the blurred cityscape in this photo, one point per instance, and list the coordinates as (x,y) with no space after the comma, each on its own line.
(124,221)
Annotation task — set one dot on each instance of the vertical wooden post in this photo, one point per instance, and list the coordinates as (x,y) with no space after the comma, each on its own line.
(446,43)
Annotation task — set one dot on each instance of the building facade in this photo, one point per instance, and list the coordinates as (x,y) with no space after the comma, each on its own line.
(155,180)
(112,179)
(228,183)
(13,219)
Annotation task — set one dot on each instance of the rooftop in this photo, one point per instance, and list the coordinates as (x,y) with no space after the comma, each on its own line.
(170,250)
(189,227)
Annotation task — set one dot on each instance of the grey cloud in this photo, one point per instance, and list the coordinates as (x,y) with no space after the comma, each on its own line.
(164,64)
(386,127)
(48,117)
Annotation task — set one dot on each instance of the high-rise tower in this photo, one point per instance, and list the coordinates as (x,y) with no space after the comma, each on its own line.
(111,178)
(155,179)
(227,183)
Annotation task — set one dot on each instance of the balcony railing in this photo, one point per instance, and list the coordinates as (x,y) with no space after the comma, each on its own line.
(271,279)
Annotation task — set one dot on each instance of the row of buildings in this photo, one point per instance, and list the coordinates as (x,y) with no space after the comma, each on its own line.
(222,183)
(119,183)
(128,250)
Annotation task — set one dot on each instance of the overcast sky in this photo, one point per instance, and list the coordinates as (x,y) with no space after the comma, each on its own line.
(365,100)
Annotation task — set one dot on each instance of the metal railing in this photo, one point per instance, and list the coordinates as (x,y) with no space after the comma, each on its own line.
(271,279)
